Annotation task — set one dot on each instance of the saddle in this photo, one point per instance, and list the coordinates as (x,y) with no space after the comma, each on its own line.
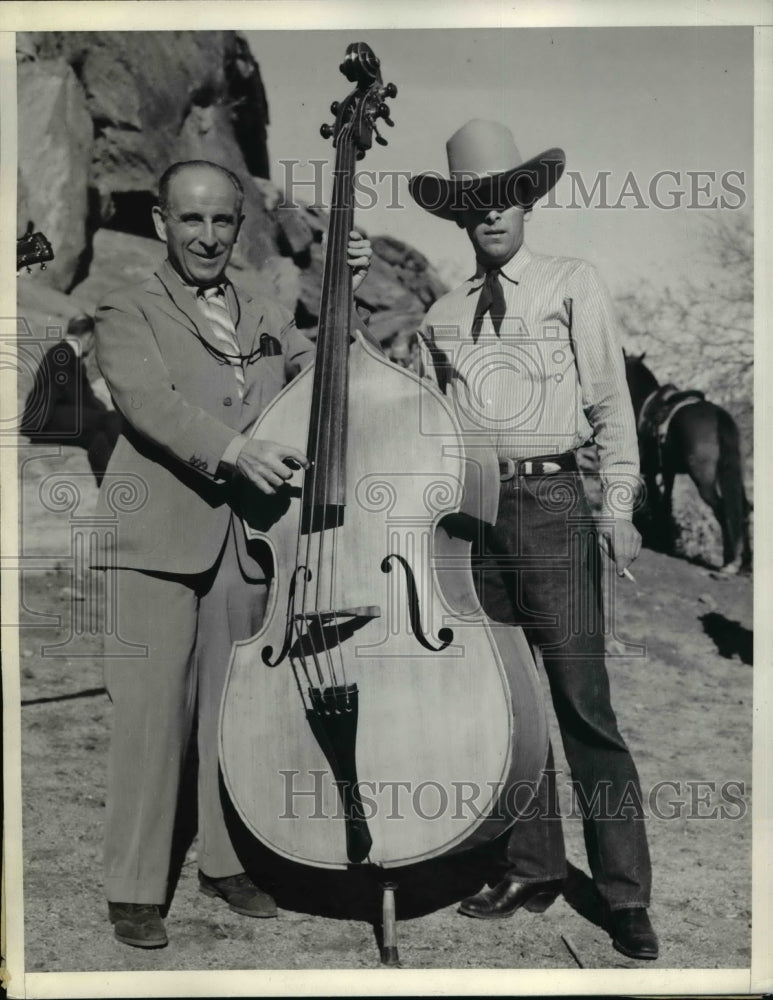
(660,407)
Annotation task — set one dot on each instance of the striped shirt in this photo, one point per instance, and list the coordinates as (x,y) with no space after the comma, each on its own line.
(555,375)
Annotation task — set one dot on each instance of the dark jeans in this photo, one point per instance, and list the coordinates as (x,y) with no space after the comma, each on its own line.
(541,569)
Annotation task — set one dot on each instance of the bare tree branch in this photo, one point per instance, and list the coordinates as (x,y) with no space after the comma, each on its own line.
(699,333)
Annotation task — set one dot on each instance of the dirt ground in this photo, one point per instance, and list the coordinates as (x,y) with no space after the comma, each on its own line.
(685,707)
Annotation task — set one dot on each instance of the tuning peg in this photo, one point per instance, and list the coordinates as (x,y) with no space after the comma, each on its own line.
(335,107)
(326,130)
(371,120)
(390,90)
(383,112)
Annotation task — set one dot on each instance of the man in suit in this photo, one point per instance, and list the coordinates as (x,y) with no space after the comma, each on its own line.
(64,406)
(531,354)
(191,361)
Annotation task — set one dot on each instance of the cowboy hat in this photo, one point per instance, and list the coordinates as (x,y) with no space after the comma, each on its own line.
(487,171)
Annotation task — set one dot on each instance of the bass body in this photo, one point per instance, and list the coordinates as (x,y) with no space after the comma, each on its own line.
(379,717)
(448,715)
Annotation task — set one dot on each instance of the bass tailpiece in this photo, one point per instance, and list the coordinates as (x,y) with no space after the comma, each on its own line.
(333,721)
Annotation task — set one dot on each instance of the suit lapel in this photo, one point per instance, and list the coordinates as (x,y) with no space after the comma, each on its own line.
(179,303)
(248,317)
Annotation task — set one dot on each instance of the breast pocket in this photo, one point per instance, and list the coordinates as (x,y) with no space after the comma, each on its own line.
(264,379)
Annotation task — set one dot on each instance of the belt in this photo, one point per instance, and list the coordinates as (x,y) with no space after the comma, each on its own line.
(544,465)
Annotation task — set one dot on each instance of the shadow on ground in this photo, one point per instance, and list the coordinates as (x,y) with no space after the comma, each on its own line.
(730,637)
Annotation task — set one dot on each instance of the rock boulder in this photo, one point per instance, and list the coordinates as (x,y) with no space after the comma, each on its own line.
(131,103)
(104,113)
(55,144)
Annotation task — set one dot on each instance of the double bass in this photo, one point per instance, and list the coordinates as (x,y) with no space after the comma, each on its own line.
(379,717)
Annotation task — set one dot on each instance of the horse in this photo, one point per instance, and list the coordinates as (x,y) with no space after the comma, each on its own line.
(682,432)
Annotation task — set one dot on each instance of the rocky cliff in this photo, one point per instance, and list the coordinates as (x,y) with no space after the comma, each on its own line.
(102,114)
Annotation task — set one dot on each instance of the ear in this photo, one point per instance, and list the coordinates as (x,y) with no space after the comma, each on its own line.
(160,223)
(238,227)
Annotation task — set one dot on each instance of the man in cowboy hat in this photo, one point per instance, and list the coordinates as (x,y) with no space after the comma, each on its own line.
(532,364)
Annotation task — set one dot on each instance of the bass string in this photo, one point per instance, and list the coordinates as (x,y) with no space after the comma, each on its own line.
(341,224)
(307,509)
(330,361)
(343,281)
(320,471)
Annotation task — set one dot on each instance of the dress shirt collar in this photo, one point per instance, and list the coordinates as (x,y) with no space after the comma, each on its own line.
(196,290)
(512,270)
(210,291)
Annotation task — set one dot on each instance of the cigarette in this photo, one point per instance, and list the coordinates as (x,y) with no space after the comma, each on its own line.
(629,575)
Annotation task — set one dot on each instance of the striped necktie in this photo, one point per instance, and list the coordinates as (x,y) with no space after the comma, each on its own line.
(212,303)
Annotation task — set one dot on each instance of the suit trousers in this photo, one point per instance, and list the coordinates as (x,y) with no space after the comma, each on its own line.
(187,625)
(540,567)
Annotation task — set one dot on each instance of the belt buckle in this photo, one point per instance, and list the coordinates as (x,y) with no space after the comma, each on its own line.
(509,471)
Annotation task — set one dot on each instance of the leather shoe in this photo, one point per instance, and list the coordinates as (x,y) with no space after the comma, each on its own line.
(241,894)
(633,934)
(503,899)
(138,924)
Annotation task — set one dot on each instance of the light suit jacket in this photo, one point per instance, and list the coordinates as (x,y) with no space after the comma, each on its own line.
(163,491)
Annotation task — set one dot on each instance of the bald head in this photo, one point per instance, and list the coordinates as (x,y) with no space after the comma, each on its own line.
(201,166)
(199,217)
